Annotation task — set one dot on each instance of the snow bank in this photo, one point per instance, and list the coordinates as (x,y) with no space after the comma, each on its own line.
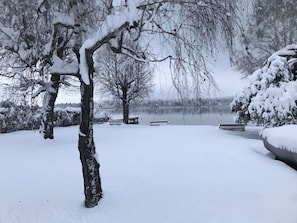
(282,137)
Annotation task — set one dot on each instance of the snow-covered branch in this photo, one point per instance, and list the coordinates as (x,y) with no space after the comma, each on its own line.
(64,68)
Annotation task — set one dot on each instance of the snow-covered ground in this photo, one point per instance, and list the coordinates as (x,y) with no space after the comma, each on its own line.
(166,174)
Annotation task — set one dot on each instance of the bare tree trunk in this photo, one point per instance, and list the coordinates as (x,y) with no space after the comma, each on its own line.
(49,104)
(125,111)
(86,145)
(125,103)
(50,99)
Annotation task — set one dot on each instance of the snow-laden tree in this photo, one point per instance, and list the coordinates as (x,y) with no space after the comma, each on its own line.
(19,31)
(181,31)
(124,78)
(270,98)
(184,29)
(32,38)
(266,29)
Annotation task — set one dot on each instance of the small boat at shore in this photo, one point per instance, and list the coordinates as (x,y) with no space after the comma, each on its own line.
(281,142)
(282,154)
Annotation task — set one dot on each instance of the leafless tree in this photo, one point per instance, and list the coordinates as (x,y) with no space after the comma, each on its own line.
(31,36)
(185,29)
(124,78)
(267,29)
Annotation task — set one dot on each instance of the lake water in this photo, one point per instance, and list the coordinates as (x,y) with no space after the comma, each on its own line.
(179,116)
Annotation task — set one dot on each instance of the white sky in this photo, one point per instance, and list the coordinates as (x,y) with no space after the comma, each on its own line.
(229,81)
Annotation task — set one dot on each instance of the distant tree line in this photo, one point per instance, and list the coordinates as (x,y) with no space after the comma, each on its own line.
(170,103)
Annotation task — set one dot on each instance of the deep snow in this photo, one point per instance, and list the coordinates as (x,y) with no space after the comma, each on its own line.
(174,174)
(282,137)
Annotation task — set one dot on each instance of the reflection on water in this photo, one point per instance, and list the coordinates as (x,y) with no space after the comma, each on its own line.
(179,115)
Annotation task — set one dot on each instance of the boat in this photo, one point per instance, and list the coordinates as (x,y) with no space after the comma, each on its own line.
(282,153)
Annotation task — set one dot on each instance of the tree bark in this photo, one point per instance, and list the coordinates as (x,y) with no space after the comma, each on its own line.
(49,104)
(125,111)
(125,103)
(86,145)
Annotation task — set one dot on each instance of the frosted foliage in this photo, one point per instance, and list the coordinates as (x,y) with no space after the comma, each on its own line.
(111,23)
(63,67)
(271,94)
(15,117)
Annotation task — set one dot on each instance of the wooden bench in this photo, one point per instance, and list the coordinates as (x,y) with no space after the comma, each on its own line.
(116,121)
(233,127)
(158,123)
(133,120)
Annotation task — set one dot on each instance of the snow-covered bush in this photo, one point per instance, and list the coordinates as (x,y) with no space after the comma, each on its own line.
(15,117)
(67,116)
(271,94)
(18,117)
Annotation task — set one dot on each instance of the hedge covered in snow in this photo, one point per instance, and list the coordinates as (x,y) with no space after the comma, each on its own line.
(15,117)
(18,117)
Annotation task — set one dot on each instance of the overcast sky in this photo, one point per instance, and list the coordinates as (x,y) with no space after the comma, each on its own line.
(229,81)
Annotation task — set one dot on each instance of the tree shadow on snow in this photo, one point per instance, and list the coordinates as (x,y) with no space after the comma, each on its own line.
(249,133)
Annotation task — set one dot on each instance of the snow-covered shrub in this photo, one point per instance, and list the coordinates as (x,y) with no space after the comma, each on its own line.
(15,117)
(67,116)
(271,95)
(18,117)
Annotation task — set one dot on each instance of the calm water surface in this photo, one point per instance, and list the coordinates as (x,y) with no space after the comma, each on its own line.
(179,116)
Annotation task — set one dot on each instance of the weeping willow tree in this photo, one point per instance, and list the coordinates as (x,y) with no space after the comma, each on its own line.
(186,30)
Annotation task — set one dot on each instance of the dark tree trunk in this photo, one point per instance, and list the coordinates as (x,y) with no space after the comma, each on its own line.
(49,104)
(125,111)
(125,103)
(86,145)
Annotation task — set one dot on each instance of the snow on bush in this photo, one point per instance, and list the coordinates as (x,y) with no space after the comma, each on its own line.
(18,117)
(67,116)
(15,117)
(271,94)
